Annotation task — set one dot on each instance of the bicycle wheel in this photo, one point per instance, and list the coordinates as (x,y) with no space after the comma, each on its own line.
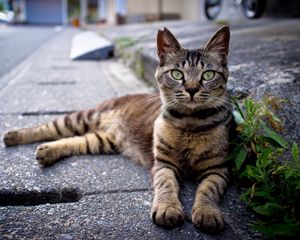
(212,8)
(253,8)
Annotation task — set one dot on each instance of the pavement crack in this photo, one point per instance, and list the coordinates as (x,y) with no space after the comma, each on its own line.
(117,191)
(37,113)
(40,113)
(57,83)
(15,197)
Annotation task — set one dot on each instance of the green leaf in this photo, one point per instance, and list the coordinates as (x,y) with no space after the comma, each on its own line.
(295,152)
(289,218)
(268,209)
(240,157)
(271,141)
(288,174)
(279,139)
(246,195)
(238,107)
(275,191)
(252,172)
(266,195)
(233,153)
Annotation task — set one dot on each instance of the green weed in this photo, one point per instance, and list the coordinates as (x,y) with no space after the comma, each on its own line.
(131,57)
(273,183)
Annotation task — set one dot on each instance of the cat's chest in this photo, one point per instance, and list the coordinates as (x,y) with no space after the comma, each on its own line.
(190,146)
(186,148)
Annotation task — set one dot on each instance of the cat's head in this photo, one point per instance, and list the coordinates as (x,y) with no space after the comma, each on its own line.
(192,79)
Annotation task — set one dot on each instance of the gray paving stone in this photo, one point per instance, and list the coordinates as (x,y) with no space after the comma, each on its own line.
(102,216)
(65,97)
(111,216)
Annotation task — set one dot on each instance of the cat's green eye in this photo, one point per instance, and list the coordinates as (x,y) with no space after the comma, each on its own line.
(208,75)
(176,74)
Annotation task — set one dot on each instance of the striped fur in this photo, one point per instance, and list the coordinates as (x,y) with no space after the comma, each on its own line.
(180,133)
(112,127)
(191,133)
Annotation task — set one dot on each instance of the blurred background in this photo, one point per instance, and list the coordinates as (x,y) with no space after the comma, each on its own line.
(76,12)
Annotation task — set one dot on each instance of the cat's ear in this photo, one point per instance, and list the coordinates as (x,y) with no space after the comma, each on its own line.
(167,45)
(219,44)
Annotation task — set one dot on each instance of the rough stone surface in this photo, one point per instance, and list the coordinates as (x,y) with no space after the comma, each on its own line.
(109,216)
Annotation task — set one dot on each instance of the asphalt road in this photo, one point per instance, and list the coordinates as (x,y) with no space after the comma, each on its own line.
(19,42)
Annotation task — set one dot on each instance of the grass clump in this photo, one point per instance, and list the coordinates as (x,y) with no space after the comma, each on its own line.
(124,43)
(131,56)
(272,181)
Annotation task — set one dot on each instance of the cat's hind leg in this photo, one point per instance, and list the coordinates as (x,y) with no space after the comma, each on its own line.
(70,125)
(90,143)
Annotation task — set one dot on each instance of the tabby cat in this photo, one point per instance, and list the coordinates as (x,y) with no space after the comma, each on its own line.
(183,132)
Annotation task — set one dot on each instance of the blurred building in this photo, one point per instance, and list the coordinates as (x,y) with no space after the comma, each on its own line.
(126,11)
(110,11)
(39,11)
(144,10)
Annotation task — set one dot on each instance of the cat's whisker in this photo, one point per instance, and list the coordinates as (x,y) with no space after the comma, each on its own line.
(155,109)
(226,103)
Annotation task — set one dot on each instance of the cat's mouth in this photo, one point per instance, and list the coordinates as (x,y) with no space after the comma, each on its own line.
(192,102)
(194,99)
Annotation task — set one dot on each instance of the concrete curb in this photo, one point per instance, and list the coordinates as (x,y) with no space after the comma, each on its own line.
(88,45)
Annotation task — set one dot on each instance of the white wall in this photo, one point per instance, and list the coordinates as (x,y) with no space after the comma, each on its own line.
(172,6)
(191,9)
(187,9)
(111,12)
(142,7)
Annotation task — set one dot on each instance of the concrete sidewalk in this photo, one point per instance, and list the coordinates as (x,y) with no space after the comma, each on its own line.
(92,197)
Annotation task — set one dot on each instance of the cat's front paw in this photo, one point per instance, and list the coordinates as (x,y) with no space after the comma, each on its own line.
(11,138)
(167,215)
(209,219)
(46,154)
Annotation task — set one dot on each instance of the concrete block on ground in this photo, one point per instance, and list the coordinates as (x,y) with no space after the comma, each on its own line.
(90,46)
